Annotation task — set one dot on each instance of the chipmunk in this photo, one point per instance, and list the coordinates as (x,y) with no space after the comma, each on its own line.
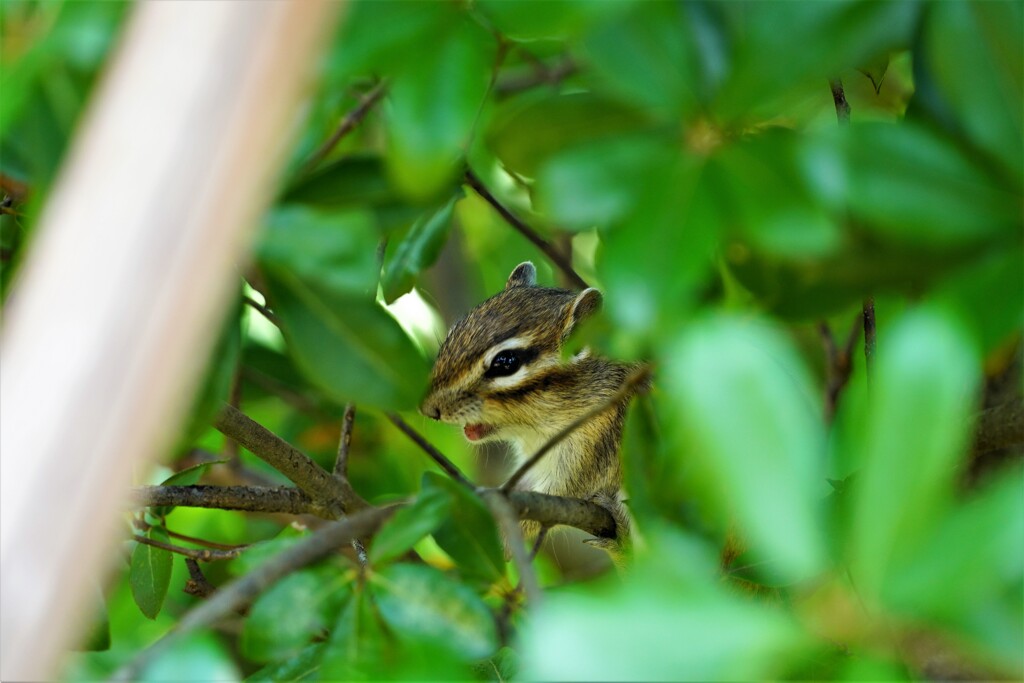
(501,376)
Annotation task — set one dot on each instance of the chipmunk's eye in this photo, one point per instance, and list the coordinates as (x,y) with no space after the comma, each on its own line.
(506,363)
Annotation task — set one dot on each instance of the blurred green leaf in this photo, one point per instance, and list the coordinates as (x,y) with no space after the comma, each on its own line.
(648,56)
(220,374)
(423,604)
(409,525)
(468,533)
(974,52)
(359,647)
(913,432)
(529,129)
(350,183)
(527,20)
(260,552)
(433,106)
(658,626)
(98,638)
(197,657)
(284,619)
(418,249)
(302,667)
(335,250)
(742,400)
(349,347)
(780,49)
(150,573)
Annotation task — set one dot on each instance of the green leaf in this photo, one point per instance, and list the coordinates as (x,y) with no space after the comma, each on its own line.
(528,20)
(409,525)
(150,573)
(648,57)
(186,477)
(531,128)
(468,534)
(284,619)
(198,657)
(359,647)
(351,348)
(747,420)
(258,553)
(659,625)
(422,604)
(220,373)
(338,251)
(350,183)
(302,667)
(434,103)
(974,53)
(418,250)
(912,434)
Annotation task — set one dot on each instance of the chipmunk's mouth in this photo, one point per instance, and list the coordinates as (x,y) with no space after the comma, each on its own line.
(475,432)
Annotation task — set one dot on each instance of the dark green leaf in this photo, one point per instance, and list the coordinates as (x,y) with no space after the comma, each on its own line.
(468,534)
(529,20)
(530,129)
(748,421)
(410,524)
(220,374)
(302,667)
(913,432)
(284,619)
(338,251)
(349,347)
(350,183)
(150,573)
(359,647)
(423,604)
(974,53)
(434,103)
(418,250)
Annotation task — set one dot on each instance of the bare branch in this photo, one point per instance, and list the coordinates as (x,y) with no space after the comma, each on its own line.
(281,499)
(838,364)
(435,455)
(264,311)
(637,377)
(333,492)
(347,124)
(509,524)
(558,258)
(243,590)
(552,511)
(839,98)
(204,554)
(341,464)
(869,336)
(1000,427)
(197,583)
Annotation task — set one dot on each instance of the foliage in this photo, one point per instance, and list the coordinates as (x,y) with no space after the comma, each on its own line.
(689,156)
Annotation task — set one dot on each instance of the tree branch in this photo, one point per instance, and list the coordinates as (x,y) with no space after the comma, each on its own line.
(839,99)
(838,364)
(638,376)
(243,590)
(435,455)
(1000,427)
(529,233)
(282,499)
(869,336)
(347,124)
(334,493)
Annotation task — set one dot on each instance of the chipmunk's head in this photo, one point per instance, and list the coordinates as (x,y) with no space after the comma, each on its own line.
(500,368)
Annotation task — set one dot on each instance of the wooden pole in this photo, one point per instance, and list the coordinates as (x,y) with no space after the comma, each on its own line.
(118,301)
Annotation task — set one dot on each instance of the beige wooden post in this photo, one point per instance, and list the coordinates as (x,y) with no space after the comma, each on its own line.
(126,282)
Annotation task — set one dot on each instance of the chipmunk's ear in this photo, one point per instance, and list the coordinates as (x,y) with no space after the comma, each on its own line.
(524,275)
(583,306)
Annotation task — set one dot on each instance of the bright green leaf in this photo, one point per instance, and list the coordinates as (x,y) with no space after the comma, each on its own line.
(198,657)
(746,420)
(529,20)
(302,667)
(423,604)
(912,434)
(150,573)
(409,525)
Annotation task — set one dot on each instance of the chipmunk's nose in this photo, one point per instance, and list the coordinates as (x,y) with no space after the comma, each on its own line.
(431,410)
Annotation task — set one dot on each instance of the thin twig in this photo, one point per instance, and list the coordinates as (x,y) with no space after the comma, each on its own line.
(507,520)
(243,590)
(197,583)
(638,376)
(435,455)
(332,492)
(838,364)
(839,99)
(558,258)
(538,542)
(341,464)
(347,124)
(869,336)
(264,311)
(204,554)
